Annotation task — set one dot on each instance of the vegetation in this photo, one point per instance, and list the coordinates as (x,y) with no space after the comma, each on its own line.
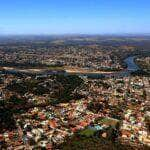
(87,132)
(140,73)
(60,88)
(7,121)
(95,107)
(89,143)
(69,83)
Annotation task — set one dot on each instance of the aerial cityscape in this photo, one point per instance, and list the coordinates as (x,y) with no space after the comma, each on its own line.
(74,86)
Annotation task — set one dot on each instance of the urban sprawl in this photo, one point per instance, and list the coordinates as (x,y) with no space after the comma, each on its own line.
(55,94)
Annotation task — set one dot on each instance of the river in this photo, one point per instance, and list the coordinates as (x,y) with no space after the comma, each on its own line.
(131,67)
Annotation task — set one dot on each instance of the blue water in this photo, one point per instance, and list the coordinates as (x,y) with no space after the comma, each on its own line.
(131,65)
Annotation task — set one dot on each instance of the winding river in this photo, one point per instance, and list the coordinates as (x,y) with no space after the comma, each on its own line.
(130,62)
(131,65)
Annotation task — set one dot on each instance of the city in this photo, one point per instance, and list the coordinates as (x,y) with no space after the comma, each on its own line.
(75,75)
(50,96)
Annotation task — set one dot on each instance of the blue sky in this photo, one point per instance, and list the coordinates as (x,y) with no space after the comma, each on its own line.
(74,16)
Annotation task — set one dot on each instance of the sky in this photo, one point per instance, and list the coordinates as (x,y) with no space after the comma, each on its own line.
(74,16)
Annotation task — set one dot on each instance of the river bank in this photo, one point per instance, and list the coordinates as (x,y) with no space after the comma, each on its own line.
(130,62)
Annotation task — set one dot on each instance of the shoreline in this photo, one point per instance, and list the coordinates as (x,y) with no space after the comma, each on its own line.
(130,61)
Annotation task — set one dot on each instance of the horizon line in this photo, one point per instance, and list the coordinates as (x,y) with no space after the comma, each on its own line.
(74,34)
